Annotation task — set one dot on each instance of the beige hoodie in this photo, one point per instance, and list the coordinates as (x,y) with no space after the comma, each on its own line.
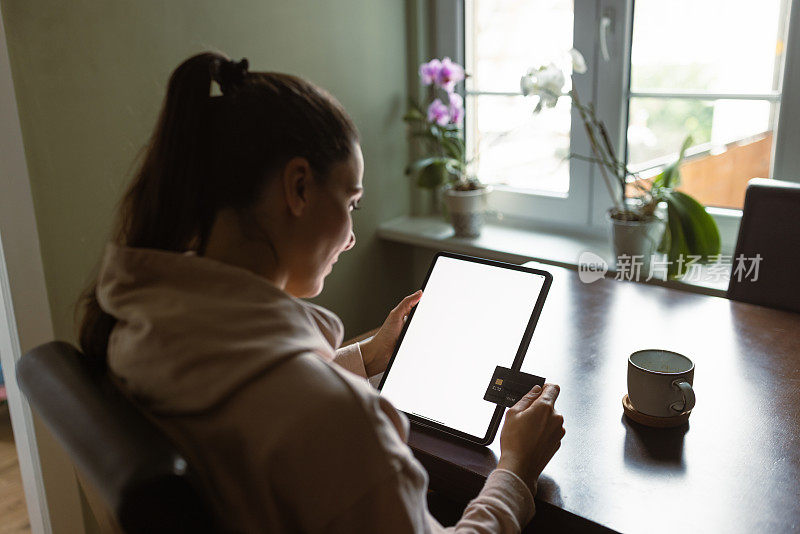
(286,432)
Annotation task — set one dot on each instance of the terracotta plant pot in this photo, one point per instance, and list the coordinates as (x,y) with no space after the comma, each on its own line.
(466,210)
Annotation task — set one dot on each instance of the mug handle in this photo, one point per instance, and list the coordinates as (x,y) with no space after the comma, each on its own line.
(688,396)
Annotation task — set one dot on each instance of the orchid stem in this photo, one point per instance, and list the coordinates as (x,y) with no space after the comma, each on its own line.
(596,150)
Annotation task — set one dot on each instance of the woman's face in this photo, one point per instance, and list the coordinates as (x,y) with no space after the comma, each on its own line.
(325,228)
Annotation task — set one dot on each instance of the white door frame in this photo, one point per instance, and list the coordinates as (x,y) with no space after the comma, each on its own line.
(25,321)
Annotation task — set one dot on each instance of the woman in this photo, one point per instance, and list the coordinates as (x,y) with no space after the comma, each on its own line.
(241,207)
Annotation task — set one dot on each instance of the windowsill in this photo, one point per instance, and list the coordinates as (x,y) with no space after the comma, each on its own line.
(515,244)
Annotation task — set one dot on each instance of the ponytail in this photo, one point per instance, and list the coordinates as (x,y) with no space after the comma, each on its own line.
(213,152)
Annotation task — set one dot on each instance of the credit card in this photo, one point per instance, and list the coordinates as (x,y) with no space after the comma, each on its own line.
(508,386)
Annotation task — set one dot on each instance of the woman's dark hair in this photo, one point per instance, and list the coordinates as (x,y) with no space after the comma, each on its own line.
(209,152)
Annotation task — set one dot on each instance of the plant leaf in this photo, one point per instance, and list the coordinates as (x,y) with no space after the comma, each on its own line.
(677,245)
(424,134)
(658,180)
(699,228)
(433,175)
(670,177)
(424,162)
(454,166)
(413,115)
(453,148)
(412,104)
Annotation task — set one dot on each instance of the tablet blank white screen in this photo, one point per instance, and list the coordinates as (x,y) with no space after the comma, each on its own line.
(471,318)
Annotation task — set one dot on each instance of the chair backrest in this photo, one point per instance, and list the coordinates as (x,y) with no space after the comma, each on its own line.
(129,464)
(770,229)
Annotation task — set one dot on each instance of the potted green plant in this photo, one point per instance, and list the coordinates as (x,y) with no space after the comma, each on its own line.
(649,215)
(443,165)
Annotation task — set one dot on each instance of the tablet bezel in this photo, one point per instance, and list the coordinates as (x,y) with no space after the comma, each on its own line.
(494,423)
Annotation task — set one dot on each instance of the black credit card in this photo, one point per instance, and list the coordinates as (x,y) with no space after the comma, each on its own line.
(508,386)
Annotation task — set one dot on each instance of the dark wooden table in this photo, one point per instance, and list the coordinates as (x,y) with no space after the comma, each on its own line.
(734,467)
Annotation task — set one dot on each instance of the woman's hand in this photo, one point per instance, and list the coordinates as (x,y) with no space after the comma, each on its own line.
(377,351)
(531,434)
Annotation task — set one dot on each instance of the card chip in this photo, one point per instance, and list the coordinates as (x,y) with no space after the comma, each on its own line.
(499,381)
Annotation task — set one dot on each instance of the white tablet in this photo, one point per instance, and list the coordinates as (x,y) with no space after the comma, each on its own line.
(474,315)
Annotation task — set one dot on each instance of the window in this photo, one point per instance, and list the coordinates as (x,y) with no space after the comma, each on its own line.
(525,155)
(658,71)
(510,145)
(720,83)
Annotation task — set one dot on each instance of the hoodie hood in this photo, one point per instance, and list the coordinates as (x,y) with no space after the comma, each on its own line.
(191,330)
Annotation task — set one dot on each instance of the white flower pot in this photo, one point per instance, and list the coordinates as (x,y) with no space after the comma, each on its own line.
(636,239)
(466,210)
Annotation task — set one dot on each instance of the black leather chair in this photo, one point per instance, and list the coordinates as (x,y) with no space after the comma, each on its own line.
(770,228)
(134,477)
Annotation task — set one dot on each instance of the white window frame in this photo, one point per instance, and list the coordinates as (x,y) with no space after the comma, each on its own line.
(571,210)
(607,85)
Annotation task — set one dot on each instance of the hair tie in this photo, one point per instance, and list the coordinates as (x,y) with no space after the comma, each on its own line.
(229,74)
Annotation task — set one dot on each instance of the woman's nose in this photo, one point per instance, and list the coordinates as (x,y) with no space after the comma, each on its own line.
(352,241)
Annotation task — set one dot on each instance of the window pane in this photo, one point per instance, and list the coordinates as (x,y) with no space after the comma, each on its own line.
(708,45)
(509,144)
(510,36)
(732,138)
(517,148)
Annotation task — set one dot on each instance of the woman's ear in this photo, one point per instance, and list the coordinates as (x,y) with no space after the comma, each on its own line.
(296,178)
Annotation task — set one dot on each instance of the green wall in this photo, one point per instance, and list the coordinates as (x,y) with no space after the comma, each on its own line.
(90,76)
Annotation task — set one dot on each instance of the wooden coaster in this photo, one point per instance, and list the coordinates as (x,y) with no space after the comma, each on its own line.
(651,420)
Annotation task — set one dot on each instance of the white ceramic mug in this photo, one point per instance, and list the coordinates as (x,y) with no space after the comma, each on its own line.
(660,382)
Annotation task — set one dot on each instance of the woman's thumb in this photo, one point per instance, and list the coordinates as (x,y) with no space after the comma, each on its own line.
(407,303)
